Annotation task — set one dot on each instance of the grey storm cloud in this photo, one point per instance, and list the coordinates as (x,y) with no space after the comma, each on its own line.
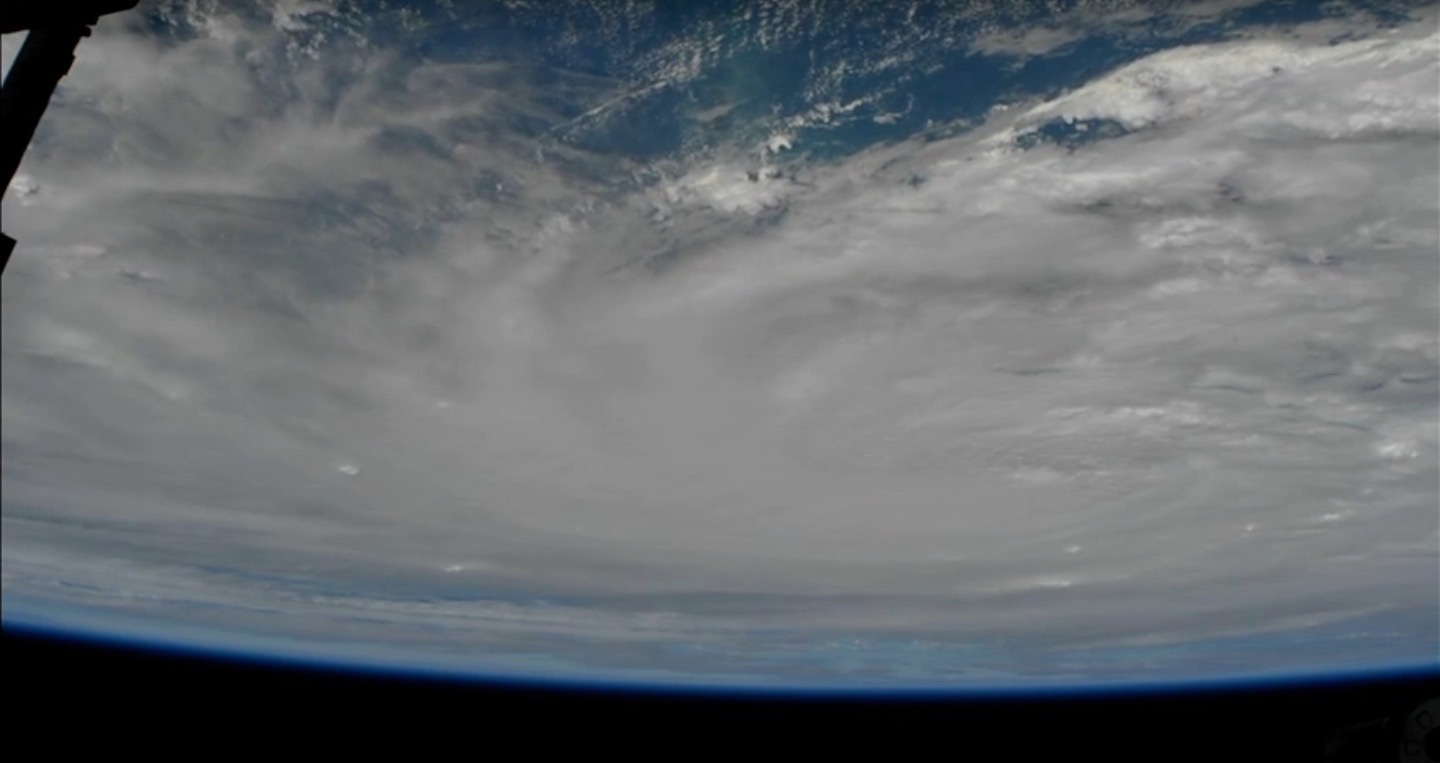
(367,364)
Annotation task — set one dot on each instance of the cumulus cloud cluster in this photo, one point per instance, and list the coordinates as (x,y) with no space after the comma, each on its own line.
(1010,401)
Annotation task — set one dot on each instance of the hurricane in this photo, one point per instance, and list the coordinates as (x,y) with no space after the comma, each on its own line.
(771,343)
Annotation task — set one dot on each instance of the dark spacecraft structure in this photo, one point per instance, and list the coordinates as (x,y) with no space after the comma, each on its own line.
(55,30)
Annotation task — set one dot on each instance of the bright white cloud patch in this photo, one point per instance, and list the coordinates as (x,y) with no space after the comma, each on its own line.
(1175,384)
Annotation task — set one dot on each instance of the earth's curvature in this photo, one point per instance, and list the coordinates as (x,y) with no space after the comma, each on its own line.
(743,344)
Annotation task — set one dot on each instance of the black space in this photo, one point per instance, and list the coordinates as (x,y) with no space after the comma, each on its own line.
(147,700)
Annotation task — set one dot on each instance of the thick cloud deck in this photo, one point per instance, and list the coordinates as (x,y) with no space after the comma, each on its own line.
(1137,381)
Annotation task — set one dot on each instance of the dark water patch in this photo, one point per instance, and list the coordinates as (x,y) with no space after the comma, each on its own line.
(1071,133)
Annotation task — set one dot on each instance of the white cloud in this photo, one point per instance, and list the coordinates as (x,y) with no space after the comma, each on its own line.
(9,48)
(1262,76)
